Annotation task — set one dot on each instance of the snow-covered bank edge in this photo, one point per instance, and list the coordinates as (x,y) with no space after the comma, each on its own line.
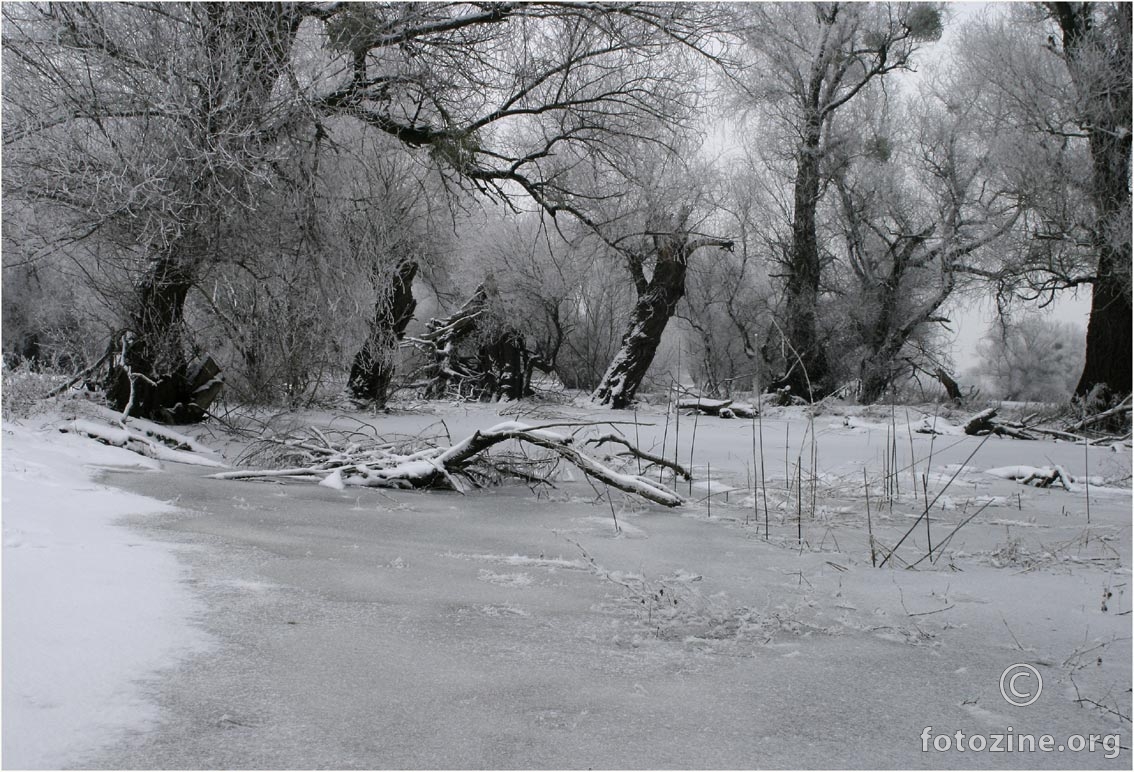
(90,607)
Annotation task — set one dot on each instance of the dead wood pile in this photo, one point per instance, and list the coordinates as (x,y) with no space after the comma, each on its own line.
(461,466)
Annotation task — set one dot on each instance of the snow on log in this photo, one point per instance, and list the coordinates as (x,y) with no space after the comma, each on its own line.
(1040,477)
(462,466)
(721,408)
(150,440)
(744,410)
(706,406)
(983,423)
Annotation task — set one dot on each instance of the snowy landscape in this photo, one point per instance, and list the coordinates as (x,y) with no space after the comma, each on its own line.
(203,623)
(541,385)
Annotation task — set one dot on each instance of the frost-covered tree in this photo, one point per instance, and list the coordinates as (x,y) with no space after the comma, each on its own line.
(149,125)
(142,127)
(1032,358)
(664,217)
(1056,82)
(918,198)
(804,63)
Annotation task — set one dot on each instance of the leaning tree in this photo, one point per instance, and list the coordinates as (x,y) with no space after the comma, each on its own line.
(657,251)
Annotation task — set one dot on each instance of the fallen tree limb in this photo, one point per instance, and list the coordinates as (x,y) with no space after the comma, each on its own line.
(1049,432)
(634,451)
(459,467)
(145,439)
(706,406)
(983,423)
(1122,407)
(1040,477)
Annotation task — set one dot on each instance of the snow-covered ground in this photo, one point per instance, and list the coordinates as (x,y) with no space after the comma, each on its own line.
(519,628)
(89,607)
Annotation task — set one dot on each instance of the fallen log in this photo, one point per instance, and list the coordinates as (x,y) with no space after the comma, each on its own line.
(459,467)
(1039,477)
(711,407)
(1122,407)
(144,438)
(982,423)
(720,408)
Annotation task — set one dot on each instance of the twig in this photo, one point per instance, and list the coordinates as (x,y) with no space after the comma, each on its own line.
(637,452)
(935,498)
(81,376)
(869,525)
(1009,629)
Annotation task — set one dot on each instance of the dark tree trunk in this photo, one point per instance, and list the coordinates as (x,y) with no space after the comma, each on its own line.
(373,366)
(952,390)
(1109,328)
(648,320)
(807,366)
(875,375)
(657,302)
(1099,61)
(506,365)
(877,370)
(1109,350)
(151,373)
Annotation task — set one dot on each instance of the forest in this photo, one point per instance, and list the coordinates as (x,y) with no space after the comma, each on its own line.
(295,203)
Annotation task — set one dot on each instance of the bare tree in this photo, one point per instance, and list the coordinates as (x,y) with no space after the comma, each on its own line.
(150,123)
(807,61)
(664,218)
(919,198)
(143,126)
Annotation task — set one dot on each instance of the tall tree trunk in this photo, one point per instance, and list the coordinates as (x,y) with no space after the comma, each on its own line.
(807,366)
(657,302)
(1102,77)
(373,366)
(1109,351)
